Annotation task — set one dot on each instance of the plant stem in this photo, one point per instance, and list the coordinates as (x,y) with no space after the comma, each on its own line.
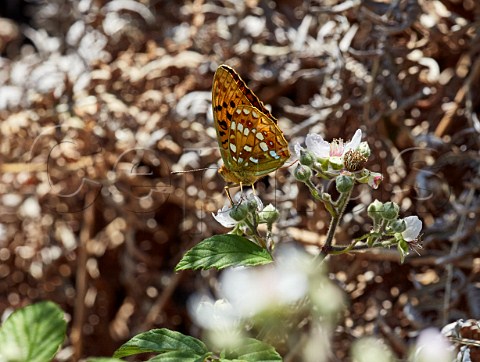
(341,204)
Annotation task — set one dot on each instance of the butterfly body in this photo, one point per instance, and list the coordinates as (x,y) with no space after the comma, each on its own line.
(251,144)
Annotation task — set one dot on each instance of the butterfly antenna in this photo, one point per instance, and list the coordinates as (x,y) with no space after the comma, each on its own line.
(290,165)
(194,170)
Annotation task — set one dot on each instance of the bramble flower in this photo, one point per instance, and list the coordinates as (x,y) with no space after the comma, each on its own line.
(323,149)
(253,290)
(213,314)
(413,228)
(223,217)
(432,346)
(228,216)
(374,180)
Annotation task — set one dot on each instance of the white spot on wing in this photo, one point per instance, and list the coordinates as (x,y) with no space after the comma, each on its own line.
(238,111)
(263,146)
(240,127)
(233,147)
(246,131)
(232,125)
(240,160)
(274,154)
(254,160)
(260,136)
(246,111)
(247,148)
(255,114)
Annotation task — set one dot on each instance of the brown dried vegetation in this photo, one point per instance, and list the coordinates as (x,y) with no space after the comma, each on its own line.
(101,100)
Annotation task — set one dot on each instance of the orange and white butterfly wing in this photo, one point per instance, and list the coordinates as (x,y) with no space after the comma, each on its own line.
(256,144)
(251,144)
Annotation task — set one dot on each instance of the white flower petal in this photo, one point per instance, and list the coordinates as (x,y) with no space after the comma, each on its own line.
(213,315)
(297,149)
(223,217)
(355,142)
(374,180)
(414,226)
(253,290)
(316,144)
(433,346)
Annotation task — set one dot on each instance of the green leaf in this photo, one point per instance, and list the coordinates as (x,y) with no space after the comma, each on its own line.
(222,251)
(161,341)
(33,333)
(180,356)
(104,359)
(252,351)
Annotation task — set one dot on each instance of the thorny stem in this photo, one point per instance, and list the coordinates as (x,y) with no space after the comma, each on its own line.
(378,232)
(252,225)
(313,190)
(321,196)
(340,206)
(343,249)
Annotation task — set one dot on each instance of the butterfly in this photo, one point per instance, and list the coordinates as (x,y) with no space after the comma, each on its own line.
(251,144)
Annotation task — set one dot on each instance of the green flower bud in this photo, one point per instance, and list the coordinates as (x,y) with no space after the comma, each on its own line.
(268,215)
(375,210)
(254,204)
(302,173)
(398,226)
(390,210)
(239,212)
(306,158)
(344,183)
(364,149)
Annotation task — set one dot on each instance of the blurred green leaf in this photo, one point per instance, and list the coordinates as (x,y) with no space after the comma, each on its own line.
(251,351)
(33,334)
(163,341)
(222,251)
(180,356)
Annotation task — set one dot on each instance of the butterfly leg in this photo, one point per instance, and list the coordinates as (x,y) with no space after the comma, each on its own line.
(227,191)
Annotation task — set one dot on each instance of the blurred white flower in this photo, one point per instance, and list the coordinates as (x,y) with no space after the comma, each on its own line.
(414,226)
(432,346)
(253,290)
(212,315)
(219,319)
(369,349)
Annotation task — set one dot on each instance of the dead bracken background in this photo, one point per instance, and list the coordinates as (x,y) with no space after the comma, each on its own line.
(101,100)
